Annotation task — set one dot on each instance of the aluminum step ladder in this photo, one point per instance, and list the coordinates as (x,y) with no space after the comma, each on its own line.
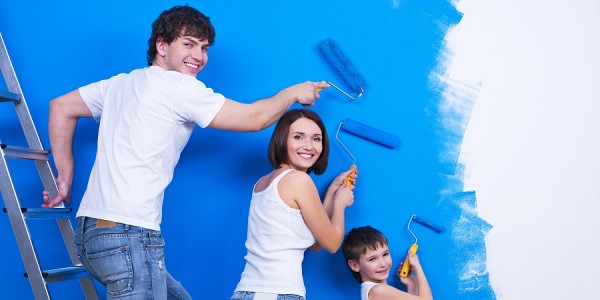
(38,278)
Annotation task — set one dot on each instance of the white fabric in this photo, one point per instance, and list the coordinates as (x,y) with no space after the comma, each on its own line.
(264,296)
(146,118)
(276,241)
(365,288)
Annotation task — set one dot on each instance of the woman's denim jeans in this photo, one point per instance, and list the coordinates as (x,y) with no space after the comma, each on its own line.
(250,296)
(128,260)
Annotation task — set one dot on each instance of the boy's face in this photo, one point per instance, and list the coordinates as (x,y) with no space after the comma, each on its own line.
(374,265)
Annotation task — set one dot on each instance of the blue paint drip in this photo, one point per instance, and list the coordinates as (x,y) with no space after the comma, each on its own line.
(469,249)
(467,245)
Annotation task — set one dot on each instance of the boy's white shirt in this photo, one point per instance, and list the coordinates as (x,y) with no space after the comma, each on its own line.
(365,288)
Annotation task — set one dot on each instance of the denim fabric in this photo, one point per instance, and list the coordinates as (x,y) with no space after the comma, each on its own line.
(128,260)
(250,296)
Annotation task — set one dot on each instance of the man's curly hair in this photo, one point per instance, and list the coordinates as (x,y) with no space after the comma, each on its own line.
(179,21)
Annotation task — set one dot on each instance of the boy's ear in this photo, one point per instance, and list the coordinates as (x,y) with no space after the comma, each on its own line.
(354,266)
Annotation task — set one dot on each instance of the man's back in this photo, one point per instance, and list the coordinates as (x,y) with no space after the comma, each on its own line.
(146,118)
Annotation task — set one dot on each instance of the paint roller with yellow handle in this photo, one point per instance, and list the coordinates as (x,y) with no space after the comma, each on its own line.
(340,90)
(348,181)
(406,264)
(320,89)
(366,132)
(413,249)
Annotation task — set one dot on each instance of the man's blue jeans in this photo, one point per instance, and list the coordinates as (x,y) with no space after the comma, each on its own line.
(128,260)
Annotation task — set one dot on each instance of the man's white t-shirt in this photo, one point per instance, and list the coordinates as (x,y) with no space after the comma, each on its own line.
(146,118)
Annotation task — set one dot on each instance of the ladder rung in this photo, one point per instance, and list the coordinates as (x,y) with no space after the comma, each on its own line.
(24,153)
(8,96)
(63,274)
(46,213)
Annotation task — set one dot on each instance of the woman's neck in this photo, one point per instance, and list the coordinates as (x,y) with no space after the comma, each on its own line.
(287,166)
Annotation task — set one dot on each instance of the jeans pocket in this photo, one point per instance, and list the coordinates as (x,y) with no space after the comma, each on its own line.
(113,268)
(290,297)
(155,251)
(155,241)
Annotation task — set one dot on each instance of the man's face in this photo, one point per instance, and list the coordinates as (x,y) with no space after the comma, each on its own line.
(186,54)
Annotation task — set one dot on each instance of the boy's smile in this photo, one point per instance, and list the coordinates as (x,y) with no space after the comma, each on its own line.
(373,265)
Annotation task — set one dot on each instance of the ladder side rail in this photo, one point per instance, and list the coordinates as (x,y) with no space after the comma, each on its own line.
(87,285)
(66,230)
(24,115)
(21,231)
(89,289)
(47,177)
(10,77)
(34,271)
(48,181)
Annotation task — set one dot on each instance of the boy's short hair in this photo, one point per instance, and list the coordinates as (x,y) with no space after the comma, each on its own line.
(356,243)
(179,21)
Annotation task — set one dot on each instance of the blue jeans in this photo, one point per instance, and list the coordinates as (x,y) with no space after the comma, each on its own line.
(128,260)
(250,296)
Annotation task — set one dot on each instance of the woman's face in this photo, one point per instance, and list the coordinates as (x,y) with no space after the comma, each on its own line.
(304,144)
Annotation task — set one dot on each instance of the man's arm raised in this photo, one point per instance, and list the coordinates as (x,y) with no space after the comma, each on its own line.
(262,113)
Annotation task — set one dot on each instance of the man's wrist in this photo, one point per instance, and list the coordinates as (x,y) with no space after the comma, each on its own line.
(289,96)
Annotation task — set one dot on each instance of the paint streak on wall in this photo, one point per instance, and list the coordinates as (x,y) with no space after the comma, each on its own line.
(449,117)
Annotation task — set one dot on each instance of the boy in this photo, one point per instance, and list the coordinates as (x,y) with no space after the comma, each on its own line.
(367,254)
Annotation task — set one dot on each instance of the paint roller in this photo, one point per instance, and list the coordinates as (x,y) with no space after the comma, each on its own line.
(365,132)
(342,65)
(413,249)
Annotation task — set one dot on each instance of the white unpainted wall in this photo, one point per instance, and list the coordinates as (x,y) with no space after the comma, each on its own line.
(532,145)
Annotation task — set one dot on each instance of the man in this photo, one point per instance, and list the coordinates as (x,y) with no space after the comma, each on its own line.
(146,118)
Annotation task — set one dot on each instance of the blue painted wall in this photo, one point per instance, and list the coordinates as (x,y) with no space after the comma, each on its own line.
(260,48)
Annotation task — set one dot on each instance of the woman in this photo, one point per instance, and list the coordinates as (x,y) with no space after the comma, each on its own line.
(286,214)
